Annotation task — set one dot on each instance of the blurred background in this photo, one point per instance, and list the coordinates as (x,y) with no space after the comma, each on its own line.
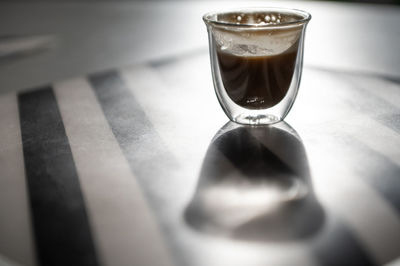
(45,41)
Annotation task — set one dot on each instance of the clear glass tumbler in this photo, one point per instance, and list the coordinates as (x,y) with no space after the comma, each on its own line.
(256,61)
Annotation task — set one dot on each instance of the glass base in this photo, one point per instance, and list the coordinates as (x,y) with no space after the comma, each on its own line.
(246,119)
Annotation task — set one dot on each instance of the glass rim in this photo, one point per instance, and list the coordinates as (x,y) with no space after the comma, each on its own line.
(210,17)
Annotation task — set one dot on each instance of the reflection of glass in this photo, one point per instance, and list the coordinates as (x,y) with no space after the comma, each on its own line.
(256,60)
(255,184)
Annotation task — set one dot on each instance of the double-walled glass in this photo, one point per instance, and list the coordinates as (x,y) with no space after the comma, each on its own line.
(256,61)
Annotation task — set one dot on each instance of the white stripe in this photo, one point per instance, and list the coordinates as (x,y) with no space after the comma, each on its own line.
(123,226)
(15,228)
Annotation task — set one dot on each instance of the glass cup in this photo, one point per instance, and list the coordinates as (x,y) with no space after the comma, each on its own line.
(256,61)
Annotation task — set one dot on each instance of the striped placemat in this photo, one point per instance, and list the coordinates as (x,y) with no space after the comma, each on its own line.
(120,167)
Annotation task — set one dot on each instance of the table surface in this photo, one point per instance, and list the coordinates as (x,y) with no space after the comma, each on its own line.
(114,150)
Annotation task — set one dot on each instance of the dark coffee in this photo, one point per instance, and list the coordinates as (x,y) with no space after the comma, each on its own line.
(257,82)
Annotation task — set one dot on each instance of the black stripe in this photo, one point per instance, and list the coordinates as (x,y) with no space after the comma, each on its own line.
(374,168)
(392,121)
(142,146)
(148,157)
(60,221)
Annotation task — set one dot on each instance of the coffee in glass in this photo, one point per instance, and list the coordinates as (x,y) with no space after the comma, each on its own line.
(256,59)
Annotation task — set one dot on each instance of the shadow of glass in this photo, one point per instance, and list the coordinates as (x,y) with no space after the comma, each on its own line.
(255,185)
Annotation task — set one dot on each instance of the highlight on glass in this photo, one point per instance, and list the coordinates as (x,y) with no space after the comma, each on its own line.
(256,61)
